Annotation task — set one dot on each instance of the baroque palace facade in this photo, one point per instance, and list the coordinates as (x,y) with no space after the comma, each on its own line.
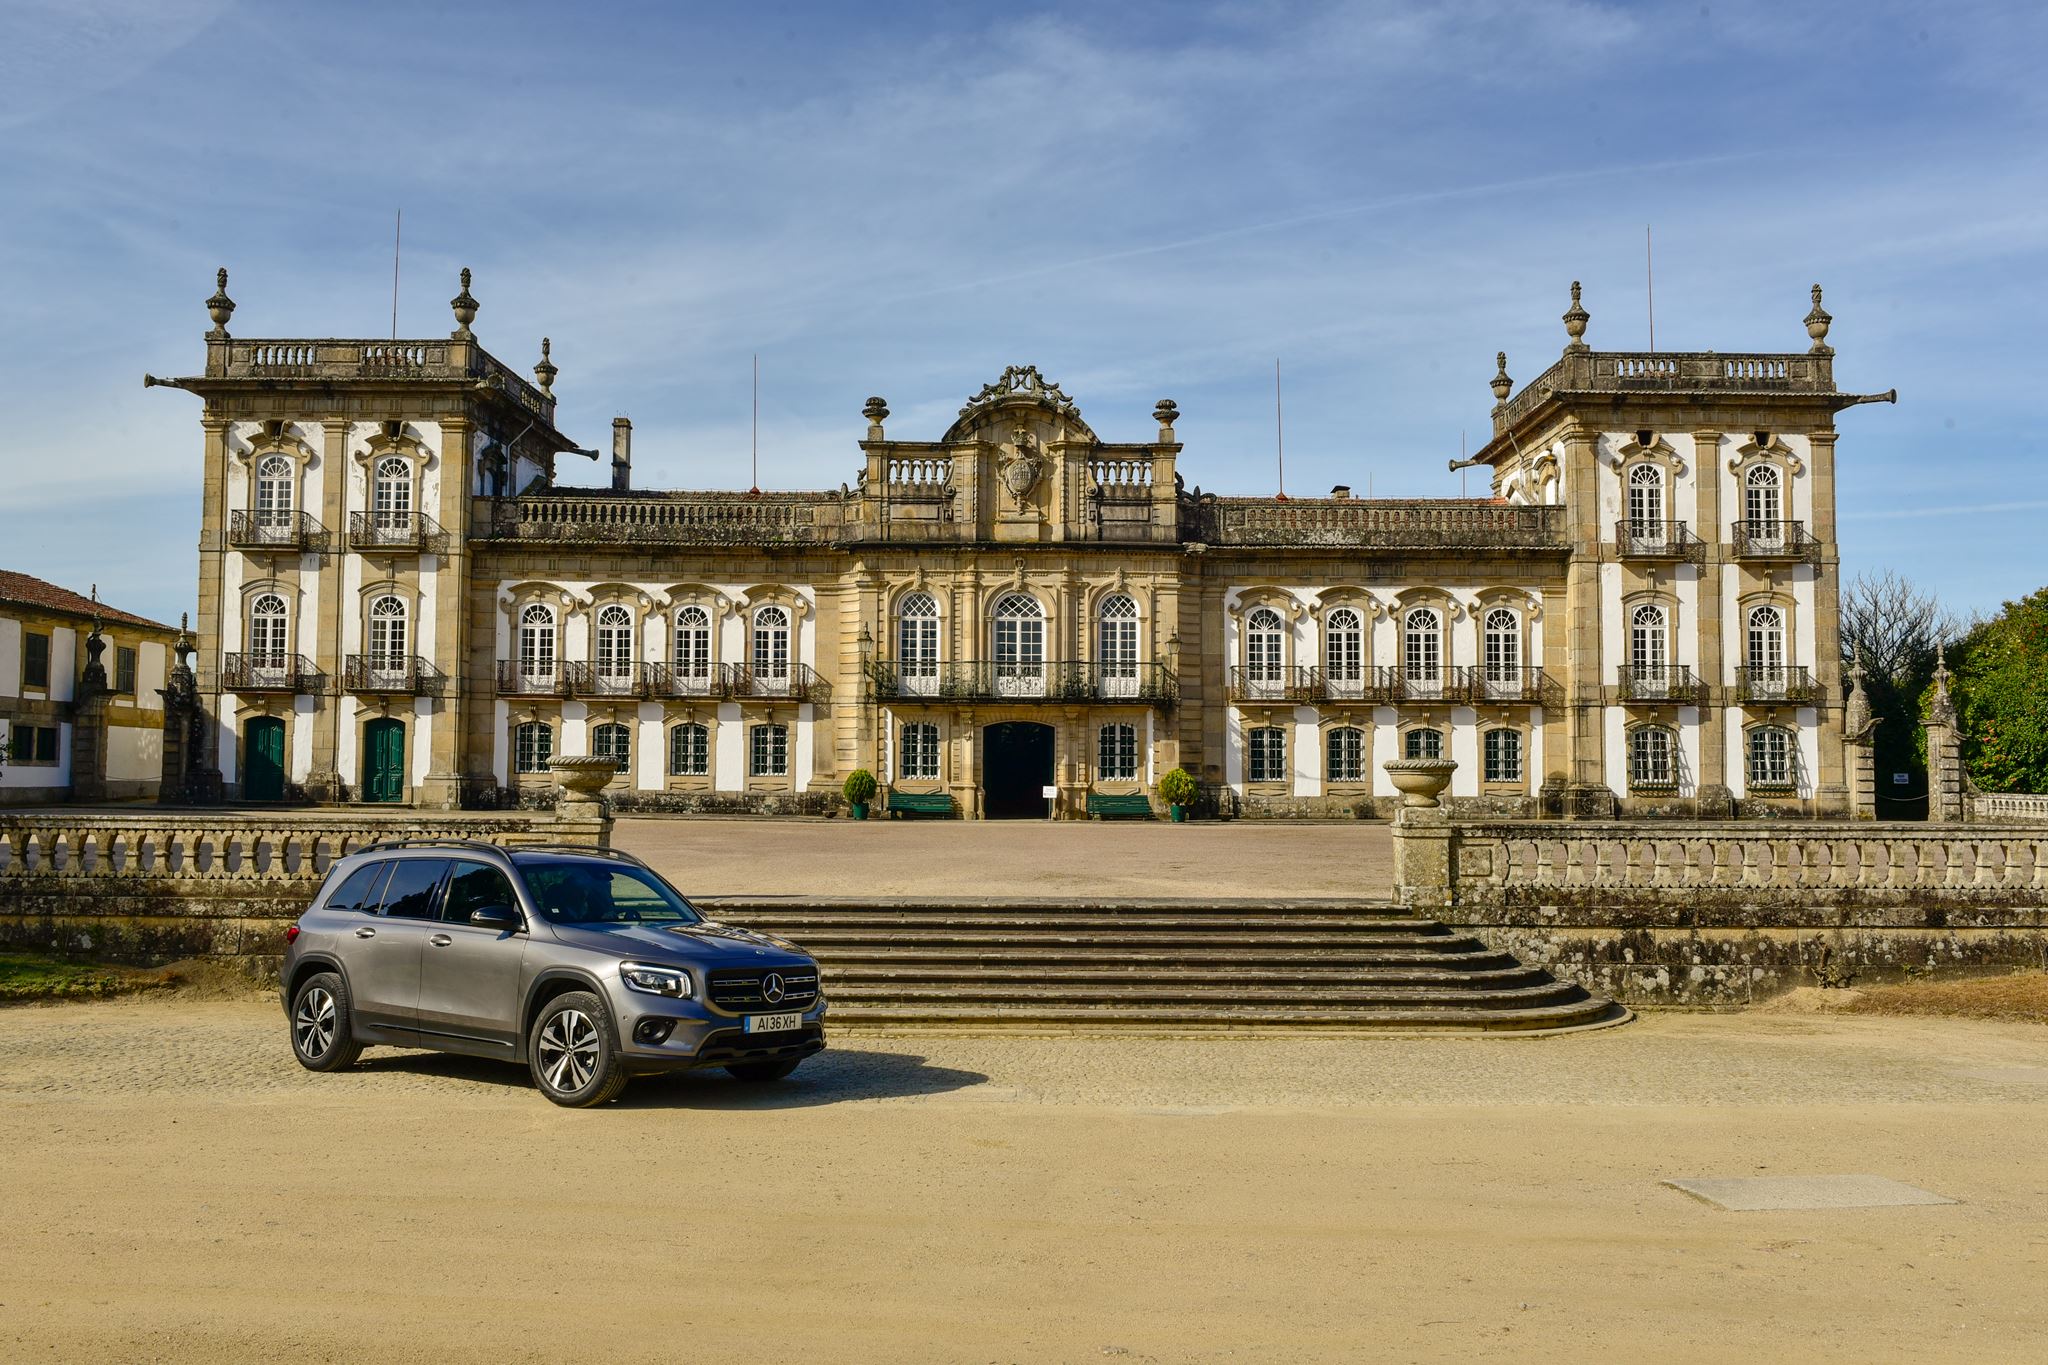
(398,603)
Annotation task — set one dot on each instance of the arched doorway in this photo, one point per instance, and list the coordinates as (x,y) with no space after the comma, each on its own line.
(263,759)
(384,760)
(1016,767)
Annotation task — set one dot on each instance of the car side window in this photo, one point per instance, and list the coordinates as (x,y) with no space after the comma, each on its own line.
(474,886)
(413,891)
(358,894)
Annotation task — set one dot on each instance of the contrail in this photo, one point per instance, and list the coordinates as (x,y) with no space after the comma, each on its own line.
(1971,510)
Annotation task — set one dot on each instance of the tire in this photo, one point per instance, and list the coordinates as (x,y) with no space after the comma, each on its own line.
(755,1072)
(573,1052)
(321,1038)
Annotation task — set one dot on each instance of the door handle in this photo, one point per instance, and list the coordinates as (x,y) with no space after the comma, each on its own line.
(440,940)
(366,932)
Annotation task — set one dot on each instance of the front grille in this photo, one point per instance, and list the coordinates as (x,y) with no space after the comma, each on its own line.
(738,991)
(731,1045)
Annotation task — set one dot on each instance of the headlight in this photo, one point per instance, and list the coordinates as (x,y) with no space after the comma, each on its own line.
(667,981)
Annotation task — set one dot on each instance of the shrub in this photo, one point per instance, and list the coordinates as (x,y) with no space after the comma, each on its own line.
(860,787)
(1178,788)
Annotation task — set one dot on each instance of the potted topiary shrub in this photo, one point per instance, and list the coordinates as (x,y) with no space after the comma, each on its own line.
(1177,790)
(859,790)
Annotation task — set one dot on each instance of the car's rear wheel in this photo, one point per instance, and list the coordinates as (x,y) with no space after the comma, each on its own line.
(763,1071)
(321,1038)
(573,1052)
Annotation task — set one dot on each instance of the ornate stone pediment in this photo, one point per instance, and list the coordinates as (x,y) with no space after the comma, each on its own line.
(1021,386)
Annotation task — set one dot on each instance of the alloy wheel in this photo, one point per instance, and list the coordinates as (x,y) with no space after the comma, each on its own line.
(568,1051)
(313,1023)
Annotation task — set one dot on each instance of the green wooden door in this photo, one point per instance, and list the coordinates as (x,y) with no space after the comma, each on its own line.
(384,760)
(263,760)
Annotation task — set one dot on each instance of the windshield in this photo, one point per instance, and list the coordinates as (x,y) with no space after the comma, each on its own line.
(576,891)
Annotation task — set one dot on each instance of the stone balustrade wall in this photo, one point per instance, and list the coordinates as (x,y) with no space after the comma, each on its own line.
(2009,808)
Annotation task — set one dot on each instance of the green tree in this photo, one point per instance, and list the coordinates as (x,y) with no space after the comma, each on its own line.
(2000,688)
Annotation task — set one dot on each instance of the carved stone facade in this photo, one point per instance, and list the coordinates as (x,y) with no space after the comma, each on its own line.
(399,602)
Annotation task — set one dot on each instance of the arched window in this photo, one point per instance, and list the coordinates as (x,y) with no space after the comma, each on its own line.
(1344,652)
(918,752)
(1646,504)
(1773,761)
(693,651)
(1346,754)
(771,647)
(917,644)
(613,741)
(1116,753)
(269,634)
(1423,743)
(1762,505)
(1264,650)
(1648,652)
(1019,646)
(533,744)
(537,647)
(1502,649)
(1766,651)
(1503,755)
(768,751)
(1652,759)
(389,654)
(614,647)
(274,479)
(1116,653)
(1422,653)
(689,750)
(1266,748)
(391,496)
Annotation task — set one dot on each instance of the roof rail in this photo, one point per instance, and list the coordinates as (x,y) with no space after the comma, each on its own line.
(588,850)
(384,844)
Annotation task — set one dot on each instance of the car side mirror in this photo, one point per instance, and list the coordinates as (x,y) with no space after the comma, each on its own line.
(495,917)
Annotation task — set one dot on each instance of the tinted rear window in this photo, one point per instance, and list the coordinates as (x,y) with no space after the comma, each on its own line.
(410,892)
(359,892)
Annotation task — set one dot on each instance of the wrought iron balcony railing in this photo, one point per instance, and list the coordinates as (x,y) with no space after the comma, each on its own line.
(1791,685)
(406,676)
(415,531)
(299,531)
(1775,540)
(1658,540)
(1661,683)
(522,680)
(1147,684)
(1361,684)
(1271,683)
(706,680)
(290,673)
(606,680)
(797,682)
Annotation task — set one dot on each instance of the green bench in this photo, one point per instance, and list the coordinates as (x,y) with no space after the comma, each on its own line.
(1136,805)
(920,803)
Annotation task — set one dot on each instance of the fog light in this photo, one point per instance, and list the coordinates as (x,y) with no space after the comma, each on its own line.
(654,1032)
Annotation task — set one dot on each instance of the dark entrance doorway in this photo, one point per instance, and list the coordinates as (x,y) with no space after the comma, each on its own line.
(263,759)
(1016,767)
(384,760)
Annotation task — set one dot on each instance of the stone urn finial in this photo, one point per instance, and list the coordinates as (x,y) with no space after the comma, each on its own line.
(1420,780)
(465,310)
(1166,412)
(1501,385)
(544,372)
(220,307)
(1575,319)
(876,410)
(1817,323)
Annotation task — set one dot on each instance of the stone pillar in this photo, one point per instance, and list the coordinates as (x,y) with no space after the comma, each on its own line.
(469,685)
(213,539)
(325,782)
(1716,799)
(1946,801)
(1422,832)
(89,727)
(1831,792)
(1859,731)
(1588,793)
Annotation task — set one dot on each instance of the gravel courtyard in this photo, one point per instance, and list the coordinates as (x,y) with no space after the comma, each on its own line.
(175,1188)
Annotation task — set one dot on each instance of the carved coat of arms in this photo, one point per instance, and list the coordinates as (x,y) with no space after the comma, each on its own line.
(1021,467)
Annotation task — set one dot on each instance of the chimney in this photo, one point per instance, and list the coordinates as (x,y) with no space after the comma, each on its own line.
(1342,490)
(622,454)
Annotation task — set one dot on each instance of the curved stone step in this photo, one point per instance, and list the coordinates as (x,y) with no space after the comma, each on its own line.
(1591,1012)
(1170,957)
(876,976)
(1171,994)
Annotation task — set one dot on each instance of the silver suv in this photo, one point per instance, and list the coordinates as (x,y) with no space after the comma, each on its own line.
(580,962)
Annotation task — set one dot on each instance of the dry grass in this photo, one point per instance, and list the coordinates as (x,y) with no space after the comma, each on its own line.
(2019,998)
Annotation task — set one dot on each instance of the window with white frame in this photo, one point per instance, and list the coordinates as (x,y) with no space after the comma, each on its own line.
(1116,753)
(275,478)
(1423,743)
(1766,647)
(391,494)
(533,744)
(1762,502)
(1652,758)
(388,645)
(917,644)
(269,633)
(1503,755)
(537,644)
(1345,752)
(1019,639)
(768,751)
(1116,645)
(689,750)
(1266,750)
(918,751)
(693,645)
(1772,758)
(1264,646)
(1422,652)
(614,643)
(1344,652)
(1646,503)
(1648,652)
(771,645)
(614,741)
(1502,649)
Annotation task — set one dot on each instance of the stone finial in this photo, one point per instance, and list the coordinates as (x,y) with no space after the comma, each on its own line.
(876,410)
(1166,412)
(544,373)
(1856,717)
(220,307)
(1941,710)
(465,310)
(1817,323)
(1501,385)
(1575,319)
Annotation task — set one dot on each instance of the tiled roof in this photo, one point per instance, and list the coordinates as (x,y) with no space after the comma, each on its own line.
(26,591)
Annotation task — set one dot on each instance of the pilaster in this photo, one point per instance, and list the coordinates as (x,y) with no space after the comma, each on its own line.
(1714,792)
(1831,793)
(467,685)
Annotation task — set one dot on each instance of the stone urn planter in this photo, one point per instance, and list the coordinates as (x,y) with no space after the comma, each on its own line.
(1420,780)
(583,777)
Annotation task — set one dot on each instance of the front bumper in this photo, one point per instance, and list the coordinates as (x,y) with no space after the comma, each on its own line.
(700,1036)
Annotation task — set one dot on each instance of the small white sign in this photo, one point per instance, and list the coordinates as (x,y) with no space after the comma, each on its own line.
(1901,779)
(1049,793)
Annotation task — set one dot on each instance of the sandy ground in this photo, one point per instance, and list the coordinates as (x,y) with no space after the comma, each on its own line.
(1014,857)
(175,1188)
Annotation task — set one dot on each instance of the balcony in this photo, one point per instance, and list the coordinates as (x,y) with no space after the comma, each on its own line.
(298,532)
(292,674)
(601,680)
(405,532)
(1658,540)
(792,682)
(1462,686)
(1272,684)
(707,681)
(1775,540)
(1791,686)
(517,680)
(406,677)
(1362,684)
(1670,683)
(1142,684)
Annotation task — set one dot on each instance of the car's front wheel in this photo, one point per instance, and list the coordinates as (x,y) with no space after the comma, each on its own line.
(573,1052)
(321,1039)
(762,1071)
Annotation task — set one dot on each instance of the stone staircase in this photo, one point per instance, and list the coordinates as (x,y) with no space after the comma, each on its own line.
(1162,965)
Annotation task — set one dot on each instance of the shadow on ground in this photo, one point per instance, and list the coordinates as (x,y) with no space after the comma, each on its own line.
(836,1076)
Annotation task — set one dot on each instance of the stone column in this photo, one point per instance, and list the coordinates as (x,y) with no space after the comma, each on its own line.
(213,539)
(89,724)
(1946,799)
(325,781)
(1716,799)
(1588,793)
(1831,794)
(468,684)
(1859,731)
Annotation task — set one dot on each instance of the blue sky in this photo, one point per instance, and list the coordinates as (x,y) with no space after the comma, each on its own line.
(1144,200)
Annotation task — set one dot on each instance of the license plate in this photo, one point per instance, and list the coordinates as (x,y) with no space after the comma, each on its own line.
(772,1023)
